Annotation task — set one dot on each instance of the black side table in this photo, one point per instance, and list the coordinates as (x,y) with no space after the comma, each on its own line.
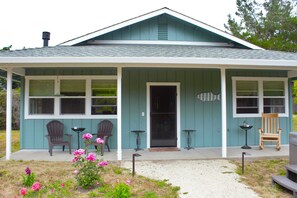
(78,131)
(138,139)
(188,131)
(246,128)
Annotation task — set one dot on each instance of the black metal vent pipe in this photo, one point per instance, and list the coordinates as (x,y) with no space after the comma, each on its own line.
(46,38)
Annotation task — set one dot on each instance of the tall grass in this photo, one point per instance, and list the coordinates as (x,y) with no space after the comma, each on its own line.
(15,142)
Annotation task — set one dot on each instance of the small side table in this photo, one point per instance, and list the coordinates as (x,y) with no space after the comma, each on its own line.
(189,131)
(138,139)
(78,131)
(246,128)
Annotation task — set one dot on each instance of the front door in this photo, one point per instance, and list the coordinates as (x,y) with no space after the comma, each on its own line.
(163,116)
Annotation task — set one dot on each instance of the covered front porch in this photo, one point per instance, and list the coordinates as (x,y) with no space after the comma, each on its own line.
(183,154)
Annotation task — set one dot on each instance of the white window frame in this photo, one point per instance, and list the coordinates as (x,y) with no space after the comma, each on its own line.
(57,115)
(260,95)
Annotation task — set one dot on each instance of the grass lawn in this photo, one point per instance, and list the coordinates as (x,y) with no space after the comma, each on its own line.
(258,176)
(52,174)
(15,142)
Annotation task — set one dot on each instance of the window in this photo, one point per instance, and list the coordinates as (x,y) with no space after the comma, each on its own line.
(41,97)
(104,97)
(73,94)
(252,96)
(247,100)
(71,97)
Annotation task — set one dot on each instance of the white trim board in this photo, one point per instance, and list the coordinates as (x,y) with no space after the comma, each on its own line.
(260,96)
(157,13)
(148,129)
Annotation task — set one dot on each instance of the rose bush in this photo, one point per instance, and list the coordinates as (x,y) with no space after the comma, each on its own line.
(89,168)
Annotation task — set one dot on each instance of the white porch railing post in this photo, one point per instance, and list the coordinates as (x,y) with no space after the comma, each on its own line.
(119,113)
(8,112)
(224,112)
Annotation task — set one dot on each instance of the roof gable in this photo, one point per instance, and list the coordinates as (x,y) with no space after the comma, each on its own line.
(161,25)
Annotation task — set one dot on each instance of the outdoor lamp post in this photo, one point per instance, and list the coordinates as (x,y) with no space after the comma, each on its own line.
(133,162)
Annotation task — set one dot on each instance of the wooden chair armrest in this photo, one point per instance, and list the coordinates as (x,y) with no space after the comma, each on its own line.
(260,130)
(279,130)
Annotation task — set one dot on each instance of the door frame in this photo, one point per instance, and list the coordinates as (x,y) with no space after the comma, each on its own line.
(148,110)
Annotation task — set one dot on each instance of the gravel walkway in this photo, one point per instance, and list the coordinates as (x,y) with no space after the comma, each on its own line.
(196,178)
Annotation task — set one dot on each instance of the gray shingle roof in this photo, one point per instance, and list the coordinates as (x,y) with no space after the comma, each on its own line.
(148,51)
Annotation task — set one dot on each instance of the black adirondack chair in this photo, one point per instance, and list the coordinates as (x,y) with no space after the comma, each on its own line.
(56,136)
(103,132)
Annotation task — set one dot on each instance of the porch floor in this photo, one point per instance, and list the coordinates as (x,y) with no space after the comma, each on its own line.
(193,154)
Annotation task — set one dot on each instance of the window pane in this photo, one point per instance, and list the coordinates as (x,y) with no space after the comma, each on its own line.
(73,87)
(104,87)
(103,110)
(274,88)
(41,106)
(104,101)
(246,88)
(247,105)
(274,105)
(72,106)
(41,87)
(104,106)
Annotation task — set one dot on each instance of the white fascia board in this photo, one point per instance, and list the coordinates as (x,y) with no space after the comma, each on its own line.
(153,42)
(112,28)
(146,60)
(212,29)
(153,14)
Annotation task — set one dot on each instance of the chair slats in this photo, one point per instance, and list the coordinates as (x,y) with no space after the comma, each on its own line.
(270,130)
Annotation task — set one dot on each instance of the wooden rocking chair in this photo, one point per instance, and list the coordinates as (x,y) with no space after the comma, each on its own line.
(270,130)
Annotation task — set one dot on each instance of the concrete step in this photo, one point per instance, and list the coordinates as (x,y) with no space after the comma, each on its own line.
(292,168)
(286,183)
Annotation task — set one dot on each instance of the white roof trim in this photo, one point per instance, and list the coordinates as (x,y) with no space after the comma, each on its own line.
(149,60)
(157,13)
(143,42)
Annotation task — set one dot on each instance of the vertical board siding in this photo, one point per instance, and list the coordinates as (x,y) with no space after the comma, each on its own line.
(178,30)
(192,82)
(203,116)
(236,136)
(35,131)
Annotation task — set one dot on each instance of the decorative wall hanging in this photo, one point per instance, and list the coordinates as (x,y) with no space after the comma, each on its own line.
(208,96)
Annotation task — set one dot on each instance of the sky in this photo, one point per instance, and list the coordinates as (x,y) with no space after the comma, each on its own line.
(23,21)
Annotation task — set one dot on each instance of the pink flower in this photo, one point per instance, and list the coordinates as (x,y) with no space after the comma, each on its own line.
(75,159)
(79,152)
(75,171)
(23,191)
(103,163)
(36,186)
(87,136)
(128,181)
(91,157)
(62,184)
(100,141)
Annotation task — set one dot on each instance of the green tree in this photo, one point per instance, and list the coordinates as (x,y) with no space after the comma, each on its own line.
(271,25)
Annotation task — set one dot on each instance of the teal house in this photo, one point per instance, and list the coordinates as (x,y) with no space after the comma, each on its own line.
(162,72)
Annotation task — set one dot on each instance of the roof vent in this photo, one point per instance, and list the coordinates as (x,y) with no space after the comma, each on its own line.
(162,32)
(46,37)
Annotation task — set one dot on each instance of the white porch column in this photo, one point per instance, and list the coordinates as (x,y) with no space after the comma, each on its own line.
(224,112)
(119,114)
(8,112)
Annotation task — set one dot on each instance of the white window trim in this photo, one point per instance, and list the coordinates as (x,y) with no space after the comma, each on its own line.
(260,96)
(56,114)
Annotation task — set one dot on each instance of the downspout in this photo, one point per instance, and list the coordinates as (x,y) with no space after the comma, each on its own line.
(8,112)
(224,112)
(119,113)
